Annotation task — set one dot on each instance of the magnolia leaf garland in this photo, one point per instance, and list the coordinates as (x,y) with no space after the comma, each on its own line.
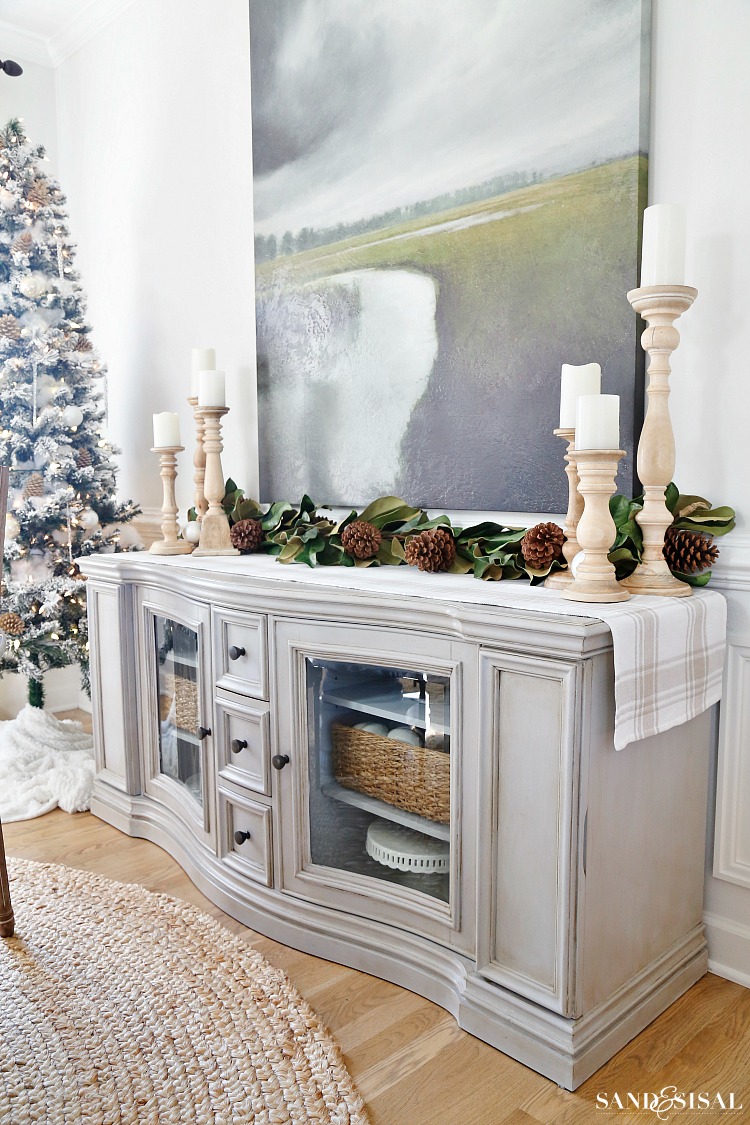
(381,534)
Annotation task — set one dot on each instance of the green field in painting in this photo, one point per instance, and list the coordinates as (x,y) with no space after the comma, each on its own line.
(517,295)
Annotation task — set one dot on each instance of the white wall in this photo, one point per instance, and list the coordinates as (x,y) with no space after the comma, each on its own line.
(154,126)
(31,96)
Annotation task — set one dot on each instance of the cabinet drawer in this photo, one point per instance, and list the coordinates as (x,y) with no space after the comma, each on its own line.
(243,745)
(246,837)
(240,661)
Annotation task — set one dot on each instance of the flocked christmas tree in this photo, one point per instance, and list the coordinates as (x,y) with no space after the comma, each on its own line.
(62,502)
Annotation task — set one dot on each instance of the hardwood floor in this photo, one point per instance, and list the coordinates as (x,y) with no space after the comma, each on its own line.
(412,1063)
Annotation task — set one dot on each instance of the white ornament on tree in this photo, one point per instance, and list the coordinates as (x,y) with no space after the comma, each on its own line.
(12,527)
(88,518)
(72,416)
(7,200)
(33,285)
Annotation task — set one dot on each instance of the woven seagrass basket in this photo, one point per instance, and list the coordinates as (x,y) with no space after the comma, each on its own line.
(186,703)
(413,778)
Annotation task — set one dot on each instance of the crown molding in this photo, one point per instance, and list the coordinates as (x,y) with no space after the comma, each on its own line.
(732,571)
(88,23)
(24,45)
(53,49)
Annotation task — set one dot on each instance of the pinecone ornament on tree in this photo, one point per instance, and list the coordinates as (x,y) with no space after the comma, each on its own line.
(688,552)
(12,624)
(246,535)
(432,550)
(83,459)
(361,539)
(83,344)
(34,486)
(38,193)
(24,243)
(10,329)
(542,544)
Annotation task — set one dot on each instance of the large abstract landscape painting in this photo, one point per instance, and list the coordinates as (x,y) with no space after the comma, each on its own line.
(447,198)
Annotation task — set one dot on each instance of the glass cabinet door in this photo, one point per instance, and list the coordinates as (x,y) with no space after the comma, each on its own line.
(176,719)
(178,693)
(378,757)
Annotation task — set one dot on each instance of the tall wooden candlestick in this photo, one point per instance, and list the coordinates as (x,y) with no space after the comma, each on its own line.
(215,538)
(199,461)
(660,306)
(594,580)
(169,544)
(571,548)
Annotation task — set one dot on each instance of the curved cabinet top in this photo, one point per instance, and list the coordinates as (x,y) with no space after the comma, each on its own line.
(506,614)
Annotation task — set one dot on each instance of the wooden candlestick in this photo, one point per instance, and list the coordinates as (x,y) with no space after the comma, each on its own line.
(169,544)
(215,538)
(571,548)
(199,461)
(660,306)
(594,580)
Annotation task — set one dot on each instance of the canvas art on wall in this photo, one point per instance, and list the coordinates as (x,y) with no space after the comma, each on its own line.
(447,199)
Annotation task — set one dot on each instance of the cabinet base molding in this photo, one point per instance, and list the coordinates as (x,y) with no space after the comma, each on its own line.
(568,1051)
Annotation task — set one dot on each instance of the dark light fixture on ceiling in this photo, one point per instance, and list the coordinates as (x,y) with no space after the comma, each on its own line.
(11,68)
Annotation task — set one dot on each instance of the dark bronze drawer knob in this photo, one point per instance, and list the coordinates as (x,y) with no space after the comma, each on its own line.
(235,653)
(240,837)
(203,732)
(238,744)
(278,761)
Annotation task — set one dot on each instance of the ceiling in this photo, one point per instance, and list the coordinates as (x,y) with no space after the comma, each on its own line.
(47,31)
(44,18)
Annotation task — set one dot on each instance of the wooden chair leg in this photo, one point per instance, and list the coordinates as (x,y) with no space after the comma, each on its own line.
(7,921)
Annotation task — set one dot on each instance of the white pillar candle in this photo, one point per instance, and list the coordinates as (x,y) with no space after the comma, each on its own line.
(598,422)
(574,381)
(663,249)
(201,359)
(166,430)
(211,388)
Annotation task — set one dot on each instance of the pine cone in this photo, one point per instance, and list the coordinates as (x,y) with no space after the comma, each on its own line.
(34,486)
(361,539)
(432,550)
(83,344)
(542,544)
(246,535)
(689,552)
(9,327)
(83,459)
(38,193)
(12,624)
(24,243)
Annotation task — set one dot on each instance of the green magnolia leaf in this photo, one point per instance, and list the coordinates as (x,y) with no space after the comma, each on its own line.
(701,579)
(230,486)
(619,507)
(387,510)
(671,496)
(275,514)
(697,503)
(291,549)
(460,565)
(390,553)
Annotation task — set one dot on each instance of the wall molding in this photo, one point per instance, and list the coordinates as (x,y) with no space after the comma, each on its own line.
(24,44)
(51,50)
(88,23)
(732,571)
(728,948)
(731,858)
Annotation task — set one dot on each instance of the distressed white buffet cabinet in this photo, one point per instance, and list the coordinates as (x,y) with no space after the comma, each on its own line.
(383,772)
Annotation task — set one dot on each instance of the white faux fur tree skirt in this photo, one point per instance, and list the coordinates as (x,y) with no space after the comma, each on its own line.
(44,762)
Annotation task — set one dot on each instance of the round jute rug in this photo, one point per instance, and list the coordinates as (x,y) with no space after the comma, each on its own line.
(123,1007)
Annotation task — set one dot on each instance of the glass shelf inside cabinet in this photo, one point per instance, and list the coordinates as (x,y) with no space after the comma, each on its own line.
(178,701)
(379,760)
